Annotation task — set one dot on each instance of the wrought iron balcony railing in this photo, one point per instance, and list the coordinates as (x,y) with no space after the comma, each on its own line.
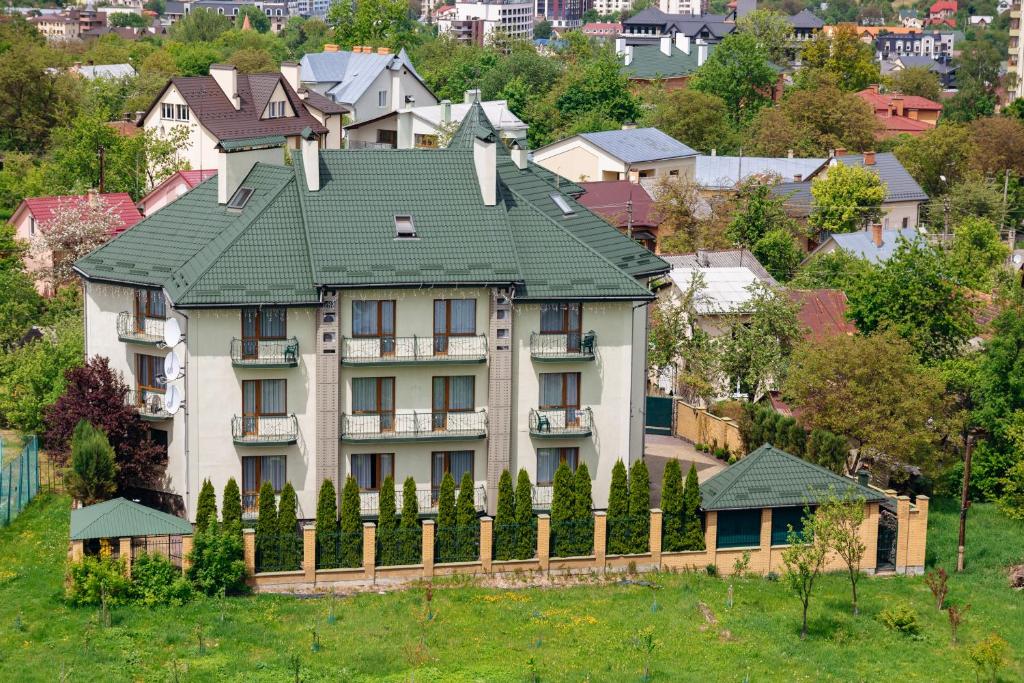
(413,350)
(141,330)
(414,426)
(563,347)
(264,430)
(542,497)
(149,403)
(560,422)
(426,500)
(265,353)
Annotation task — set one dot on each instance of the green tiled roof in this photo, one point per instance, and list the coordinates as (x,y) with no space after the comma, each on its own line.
(119,518)
(243,143)
(288,242)
(649,62)
(769,478)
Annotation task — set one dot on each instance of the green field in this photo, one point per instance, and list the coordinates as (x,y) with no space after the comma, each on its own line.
(583,633)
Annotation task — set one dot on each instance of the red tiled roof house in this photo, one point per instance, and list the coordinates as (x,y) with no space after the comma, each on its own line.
(170,189)
(900,114)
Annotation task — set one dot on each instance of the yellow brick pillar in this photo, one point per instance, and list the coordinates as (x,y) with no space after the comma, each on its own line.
(869,537)
(77,551)
(711,536)
(309,553)
(369,550)
(600,539)
(902,532)
(655,537)
(544,541)
(918,536)
(249,550)
(124,551)
(186,550)
(428,548)
(762,562)
(486,542)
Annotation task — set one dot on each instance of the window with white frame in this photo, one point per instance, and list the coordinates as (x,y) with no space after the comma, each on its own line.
(182,112)
(382,98)
(167,111)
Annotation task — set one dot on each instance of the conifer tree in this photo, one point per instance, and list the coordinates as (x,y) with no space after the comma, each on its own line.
(504,536)
(288,529)
(409,527)
(266,527)
(387,523)
(91,477)
(583,510)
(526,540)
(232,512)
(562,508)
(639,507)
(467,534)
(206,507)
(351,525)
(693,534)
(796,440)
(445,529)
(672,507)
(327,524)
(618,511)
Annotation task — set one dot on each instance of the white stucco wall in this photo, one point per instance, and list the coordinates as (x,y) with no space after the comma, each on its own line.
(366,107)
(580,161)
(200,151)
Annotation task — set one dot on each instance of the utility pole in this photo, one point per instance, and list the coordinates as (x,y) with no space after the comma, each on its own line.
(965,502)
(103,158)
(1006,186)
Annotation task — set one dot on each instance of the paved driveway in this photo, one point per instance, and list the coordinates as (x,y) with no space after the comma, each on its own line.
(659,449)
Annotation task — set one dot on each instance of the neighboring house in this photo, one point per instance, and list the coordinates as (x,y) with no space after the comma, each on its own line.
(57,28)
(910,19)
(477,23)
(428,124)
(1015,59)
(563,14)
(628,206)
(934,44)
(627,154)
(982,20)
(669,61)
(34,213)
(874,244)
(602,30)
(108,71)
(365,82)
(822,313)
(942,12)
(898,114)
(945,71)
(229,108)
(649,25)
(170,189)
(364,313)
(806,24)
(722,258)
(277,12)
(903,196)
(725,173)
(691,7)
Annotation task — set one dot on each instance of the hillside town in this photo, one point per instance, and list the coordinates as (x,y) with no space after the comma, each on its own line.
(616,328)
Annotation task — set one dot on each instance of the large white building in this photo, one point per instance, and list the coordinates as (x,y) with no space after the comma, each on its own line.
(479,22)
(363,313)
(1016,50)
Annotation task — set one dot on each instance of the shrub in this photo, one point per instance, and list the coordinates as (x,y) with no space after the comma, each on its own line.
(288,529)
(327,521)
(937,581)
(639,507)
(711,569)
(526,546)
(562,508)
(467,535)
(266,525)
(155,581)
(583,509)
(504,539)
(693,534)
(231,514)
(206,508)
(410,525)
(988,656)
(672,507)
(445,529)
(92,475)
(387,523)
(96,579)
(351,525)
(618,511)
(901,618)
(218,563)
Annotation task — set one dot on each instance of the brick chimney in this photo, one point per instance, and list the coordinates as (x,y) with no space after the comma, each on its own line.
(331,47)
(797,177)
(876,234)
(869,158)
(840,151)
(897,102)
(383,50)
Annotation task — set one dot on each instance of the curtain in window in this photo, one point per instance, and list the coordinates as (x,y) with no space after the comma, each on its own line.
(438,394)
(249,398)
(387,318)
(364,394)
(249,484)
(572,389)
(550,390)
(461,462)
(440,316)
(272,397)
(463,316)
(551,318)
(272,323)
(460,393)
(249,319)
(437,470)
(273,471)
(364,318)
(547,463)
(362,470)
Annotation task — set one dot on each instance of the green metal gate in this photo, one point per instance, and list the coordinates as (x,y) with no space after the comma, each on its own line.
(659,415)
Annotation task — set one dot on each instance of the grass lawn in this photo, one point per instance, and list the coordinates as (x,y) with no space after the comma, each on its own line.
(592,633)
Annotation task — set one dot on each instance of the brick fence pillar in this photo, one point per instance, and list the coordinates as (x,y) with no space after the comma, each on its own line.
(186,550)
(486,542)
(309,553)
(370,550)
(249,550)
(711,536)
(428,548)
(655,537)
(918,539)
(77,551)
(902,532)
(125,553)
(544,540)
(763,563)
(600,539)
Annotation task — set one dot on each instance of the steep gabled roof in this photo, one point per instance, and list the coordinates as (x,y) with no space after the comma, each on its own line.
(350,74)
(120,203)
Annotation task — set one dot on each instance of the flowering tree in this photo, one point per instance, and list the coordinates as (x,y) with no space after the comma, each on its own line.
(76,228)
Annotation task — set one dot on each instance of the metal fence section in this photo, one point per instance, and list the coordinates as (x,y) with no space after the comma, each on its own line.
(402,545)
(457,544)
(515,541)
(278,553)
(426,500)
(399,350)
(19,481)
(572,537)
(628,535)
(168,546)
(336,550)
(414,426)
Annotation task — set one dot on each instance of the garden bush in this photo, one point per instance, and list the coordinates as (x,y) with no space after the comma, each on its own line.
(327,522)
(562,507)
(290,544)
(901,618)
(96,579)
(387,524)
(266,524)
(693,532)
(155,581)
(445,530)
(218,563)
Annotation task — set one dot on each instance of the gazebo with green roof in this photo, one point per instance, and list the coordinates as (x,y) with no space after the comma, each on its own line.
(125,520)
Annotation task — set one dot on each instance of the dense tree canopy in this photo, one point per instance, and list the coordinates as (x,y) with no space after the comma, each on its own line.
(738,71)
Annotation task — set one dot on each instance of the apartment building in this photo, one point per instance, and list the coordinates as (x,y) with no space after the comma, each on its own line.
(335,317)
(477,23)
(567,14)
(1016,52)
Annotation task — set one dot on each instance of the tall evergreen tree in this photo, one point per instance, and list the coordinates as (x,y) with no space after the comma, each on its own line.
(467,534)
(266,526)
(351,525)
(409,527)
(327,524)
(693,534)
(618,511)
(583,510)
(526,541)
(504,520)
(639,507)
(288,529)
(206,507)
(387,524)
(445,529)
(672,507)
(562,508)
(232,512)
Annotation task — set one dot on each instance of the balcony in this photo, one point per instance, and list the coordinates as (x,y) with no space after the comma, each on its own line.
(413,350)
(265,353)
(139,330)
(264,430)
(556,423)
(554,348)
(426,500)
(542,497)
(414,426)
(149,403)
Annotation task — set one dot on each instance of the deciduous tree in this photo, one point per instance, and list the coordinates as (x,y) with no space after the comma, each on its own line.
(804,558)
(846,199)
(737,70)
(842,56)
(201,25)
(976,254)
(700,120)
(778,252)
(919,81)
(839,518)
(772,30)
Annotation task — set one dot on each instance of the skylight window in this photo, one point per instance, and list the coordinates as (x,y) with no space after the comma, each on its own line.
(404,227)
(562,205)
(240,198)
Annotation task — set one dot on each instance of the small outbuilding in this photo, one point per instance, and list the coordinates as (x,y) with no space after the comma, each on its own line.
(126,529)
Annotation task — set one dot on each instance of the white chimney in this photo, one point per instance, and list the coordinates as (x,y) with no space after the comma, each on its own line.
(291,72)
(311,159)
(233,167)
(446,111)
(404,135)
(620,46)
(485,159)
(702,52)
(396,89)
(519,154)
(629,55)
(471,96)
(666,45)
(226,77)
(683,42)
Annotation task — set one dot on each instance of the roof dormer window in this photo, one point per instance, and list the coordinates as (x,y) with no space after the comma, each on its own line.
(404,227)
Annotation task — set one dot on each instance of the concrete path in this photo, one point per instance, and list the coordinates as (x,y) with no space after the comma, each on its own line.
(659,449)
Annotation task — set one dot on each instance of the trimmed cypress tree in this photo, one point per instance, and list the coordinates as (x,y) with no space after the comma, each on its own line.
(387,524)
(232,512)
(526,541)
(562,508)
(288,529)
(639,507)
(445,529)
(409,527)
(327,524)
(266,527)
(351,551)
(583,510)
(504,534)
(467,536)
(206,507)
(693,534)
(672,507)
(618,511)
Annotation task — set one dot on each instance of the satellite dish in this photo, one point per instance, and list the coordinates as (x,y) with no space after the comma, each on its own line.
(172,400)
(1018,258)
(172,366)
(172,333)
